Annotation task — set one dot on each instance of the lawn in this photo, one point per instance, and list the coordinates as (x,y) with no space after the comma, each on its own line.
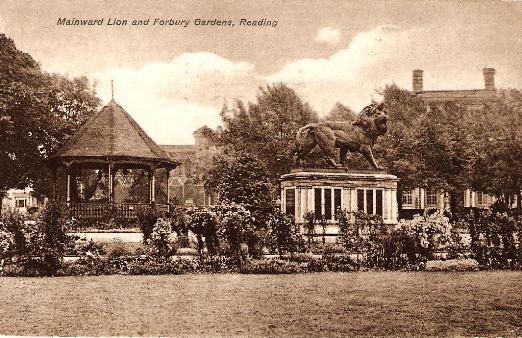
(325,304)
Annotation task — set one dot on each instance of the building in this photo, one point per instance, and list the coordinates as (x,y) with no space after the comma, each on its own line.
(419,199)
(186,182)
(22,201)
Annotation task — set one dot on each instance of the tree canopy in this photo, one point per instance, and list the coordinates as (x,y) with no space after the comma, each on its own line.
(38,113)
(266,129)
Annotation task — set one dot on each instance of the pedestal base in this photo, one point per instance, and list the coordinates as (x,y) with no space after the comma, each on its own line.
(323,191)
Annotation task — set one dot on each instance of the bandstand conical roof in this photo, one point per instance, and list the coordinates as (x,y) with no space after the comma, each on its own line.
(112,134)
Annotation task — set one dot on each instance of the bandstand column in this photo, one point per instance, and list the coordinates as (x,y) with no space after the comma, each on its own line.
(112,173)
(152,180)
(168,192)
(68,196)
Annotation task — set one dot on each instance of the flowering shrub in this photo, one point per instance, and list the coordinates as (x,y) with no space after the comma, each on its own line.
(147,217)
(159,239)
(236,227)
(203,223)
(7,243)
(285,233)
(496,238)
(309,226)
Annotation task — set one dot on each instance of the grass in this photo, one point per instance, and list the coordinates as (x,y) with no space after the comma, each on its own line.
(326,304)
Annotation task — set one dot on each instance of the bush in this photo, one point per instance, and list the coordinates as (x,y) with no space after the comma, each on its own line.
(118,248)
(272,266)
(285,233)
(203,223)
(496,238)
(187,252)
(453,265)
(147,218)
(160,239)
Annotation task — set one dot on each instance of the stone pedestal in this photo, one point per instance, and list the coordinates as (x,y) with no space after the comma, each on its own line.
(325,190)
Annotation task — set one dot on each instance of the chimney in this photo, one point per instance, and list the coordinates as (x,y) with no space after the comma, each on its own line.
(489,78)
(417,81)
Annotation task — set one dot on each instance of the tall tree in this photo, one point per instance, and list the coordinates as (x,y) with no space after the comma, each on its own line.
(38,113)
(498,126)
(340,112)
(266,129)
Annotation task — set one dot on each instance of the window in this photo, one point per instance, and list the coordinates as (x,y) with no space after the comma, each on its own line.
(337,200)
(290,201)
(378,202)
(360,200)
(483,198)
(407,197)
(369,201)
(431,197)
(318,206)
(327,203)
(20,203)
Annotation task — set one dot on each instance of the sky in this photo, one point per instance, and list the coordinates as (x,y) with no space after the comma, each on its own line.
(174,79)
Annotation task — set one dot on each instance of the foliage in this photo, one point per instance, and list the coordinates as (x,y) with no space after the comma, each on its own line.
(497,169)
(496,239)
(38,113)
(236,228)
(453,265)
(340,112)
(272,266)
(285,233)
(428,145)
(243,180)
(52,239)
(265,129)
(147,217)
(203,222)
(37,248)
(309,226)
(160,240)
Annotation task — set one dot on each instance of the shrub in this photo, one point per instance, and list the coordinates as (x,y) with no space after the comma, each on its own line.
(453,265)
(272,266)
(118,248)
(496,238)
(159,240)
(285,233)
(187,252)
(203,223)
(236,227)
(147,217)
(49,240)
(309,227)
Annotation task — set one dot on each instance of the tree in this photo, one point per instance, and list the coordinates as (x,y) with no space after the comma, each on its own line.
(396,149)
(499,129)
(266,129)
(243,180)
(38,113)
(428,145)
(340,112)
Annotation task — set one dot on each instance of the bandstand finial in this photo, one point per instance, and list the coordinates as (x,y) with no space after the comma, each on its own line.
(112,89)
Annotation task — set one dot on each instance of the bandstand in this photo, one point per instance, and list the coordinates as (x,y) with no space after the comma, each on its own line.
(111,166)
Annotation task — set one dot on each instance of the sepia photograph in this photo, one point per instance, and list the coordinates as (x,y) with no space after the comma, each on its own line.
(261,168)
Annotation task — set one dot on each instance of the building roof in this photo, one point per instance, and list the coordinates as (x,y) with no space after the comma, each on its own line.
(113,134)
(468,96)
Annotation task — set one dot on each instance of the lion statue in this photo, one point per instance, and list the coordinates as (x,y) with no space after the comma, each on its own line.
(357,136)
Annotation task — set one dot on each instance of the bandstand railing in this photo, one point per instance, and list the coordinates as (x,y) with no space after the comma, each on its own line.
(114,210)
